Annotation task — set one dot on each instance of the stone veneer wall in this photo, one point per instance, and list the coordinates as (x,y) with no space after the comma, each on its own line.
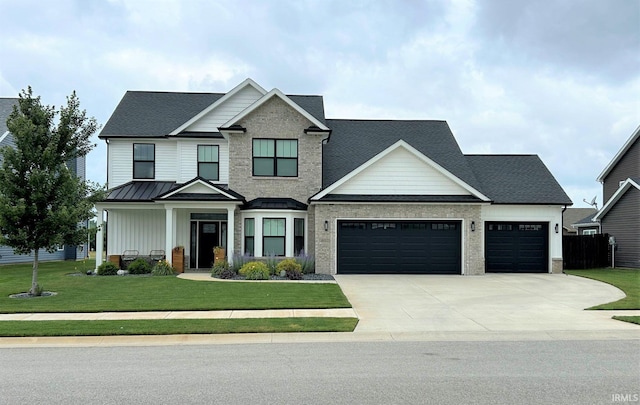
(325,252)
(277,120)
(556,266)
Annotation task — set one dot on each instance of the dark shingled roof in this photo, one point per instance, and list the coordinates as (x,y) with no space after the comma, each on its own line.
(517,179)
(353,142)
(401,198)
(6,107)
(155,114)
(274,204)
(588,220)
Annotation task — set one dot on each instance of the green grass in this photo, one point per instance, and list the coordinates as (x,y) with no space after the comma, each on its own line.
(175,326)
(630,319)
(83,293)
(628,280)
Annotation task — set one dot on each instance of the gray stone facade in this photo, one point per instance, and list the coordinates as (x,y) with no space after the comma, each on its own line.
(325,252)
(276,120)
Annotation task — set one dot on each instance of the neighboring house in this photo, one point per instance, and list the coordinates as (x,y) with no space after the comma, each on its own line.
(76,165)
(578,221)
(265,173)
(620,214)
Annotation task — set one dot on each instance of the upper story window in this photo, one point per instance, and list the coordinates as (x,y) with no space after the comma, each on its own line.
(144,160)
(208,162)
(275,157)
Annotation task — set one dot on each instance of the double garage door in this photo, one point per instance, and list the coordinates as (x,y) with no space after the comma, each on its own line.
(434,247)
(411,247)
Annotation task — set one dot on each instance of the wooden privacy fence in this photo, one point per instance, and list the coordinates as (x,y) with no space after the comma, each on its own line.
(585,251)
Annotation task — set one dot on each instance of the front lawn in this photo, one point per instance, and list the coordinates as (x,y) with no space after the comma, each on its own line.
(82,293)
(628,280)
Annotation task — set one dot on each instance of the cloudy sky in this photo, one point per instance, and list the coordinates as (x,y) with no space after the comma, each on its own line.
(560,79)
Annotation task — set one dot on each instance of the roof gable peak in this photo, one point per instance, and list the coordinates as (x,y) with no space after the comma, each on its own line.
(246,83)
(268,96)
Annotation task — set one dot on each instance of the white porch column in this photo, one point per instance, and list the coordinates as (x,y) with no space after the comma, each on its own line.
(231,226)
(169,233)
(99,237)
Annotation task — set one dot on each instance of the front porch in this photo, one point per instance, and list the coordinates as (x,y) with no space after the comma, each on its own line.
(145,227)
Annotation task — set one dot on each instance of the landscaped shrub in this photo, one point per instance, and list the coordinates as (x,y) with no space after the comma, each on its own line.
(162,268)
(139,266)
(308,262)
(272,262)
(255,271)
(221,269)
(240,260)
(292,269)
(107,269)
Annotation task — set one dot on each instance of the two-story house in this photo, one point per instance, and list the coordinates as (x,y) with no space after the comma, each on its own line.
(76,165)
(265,173)
(620,214)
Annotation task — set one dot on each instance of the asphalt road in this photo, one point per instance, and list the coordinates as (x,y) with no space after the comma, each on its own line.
(524,372)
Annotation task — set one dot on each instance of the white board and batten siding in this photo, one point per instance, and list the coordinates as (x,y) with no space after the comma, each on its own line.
(211,121)
(142,230)
(400,172)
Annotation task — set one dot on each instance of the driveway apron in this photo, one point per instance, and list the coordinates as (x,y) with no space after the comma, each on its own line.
(491,302)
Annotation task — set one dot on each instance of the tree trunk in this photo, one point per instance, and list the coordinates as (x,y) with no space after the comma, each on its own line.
(34,277)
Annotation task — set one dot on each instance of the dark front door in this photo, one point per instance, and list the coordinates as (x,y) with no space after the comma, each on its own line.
(207,240)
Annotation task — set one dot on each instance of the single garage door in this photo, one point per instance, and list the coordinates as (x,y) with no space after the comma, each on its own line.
(516,247)
(412,247)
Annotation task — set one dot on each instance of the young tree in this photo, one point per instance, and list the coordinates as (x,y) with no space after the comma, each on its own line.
(41,200)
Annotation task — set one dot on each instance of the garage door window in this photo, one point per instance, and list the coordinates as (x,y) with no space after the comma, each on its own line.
(383,225)
(444,227)
(529,227)
(353,225)
(500,227)
(273,236)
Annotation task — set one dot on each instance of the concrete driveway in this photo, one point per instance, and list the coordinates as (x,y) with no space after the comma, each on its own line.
(492,302)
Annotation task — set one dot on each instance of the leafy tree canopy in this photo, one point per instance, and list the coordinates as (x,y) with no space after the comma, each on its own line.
(42,201)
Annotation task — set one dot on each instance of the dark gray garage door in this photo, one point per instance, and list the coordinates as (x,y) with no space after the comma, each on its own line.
(516,247)
(384,247)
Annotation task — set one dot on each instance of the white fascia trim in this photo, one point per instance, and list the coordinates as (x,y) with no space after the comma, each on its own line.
(628,183)
(116,205)
(619,155)
(264,99)
(198,181)
(418,154)
(223,99)
(3,136)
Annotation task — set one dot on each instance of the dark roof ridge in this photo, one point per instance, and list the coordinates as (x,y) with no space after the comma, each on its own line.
(501,154)
(176,92)
(383,120)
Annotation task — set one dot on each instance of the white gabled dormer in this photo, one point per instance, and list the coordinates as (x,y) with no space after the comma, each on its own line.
(227,107)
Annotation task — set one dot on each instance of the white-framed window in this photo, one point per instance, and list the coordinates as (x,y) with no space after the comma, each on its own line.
(589,231)
(274,232)
(273,236)
(208,162)
(144,160)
